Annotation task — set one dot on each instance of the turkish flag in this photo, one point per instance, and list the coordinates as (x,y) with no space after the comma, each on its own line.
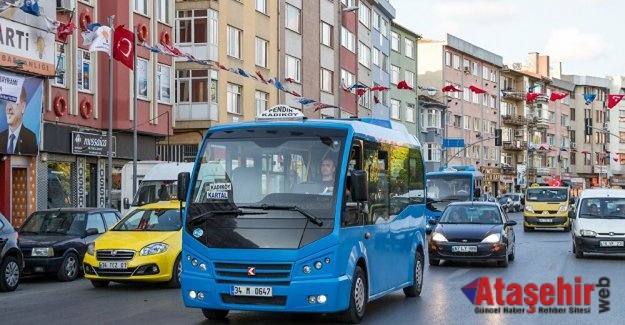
(450,88)
(556,96)
(64,30)
(123,46)
(403,85)
(477,90)
(532,96)
(613,100)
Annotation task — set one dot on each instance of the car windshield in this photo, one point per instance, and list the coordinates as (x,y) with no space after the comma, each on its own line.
(602,208)
(471,214)
(504,200)
(151,220)
(547,194)
(56,222)
(452,187)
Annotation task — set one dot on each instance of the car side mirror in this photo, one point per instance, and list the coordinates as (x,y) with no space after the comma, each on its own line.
(433,221)
(91,232)
(184,179)
(126,203)
(510,223)
(571,214)
(522,200)
(477,193)
(572,200)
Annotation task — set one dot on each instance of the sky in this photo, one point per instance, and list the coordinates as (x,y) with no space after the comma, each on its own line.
(585,35)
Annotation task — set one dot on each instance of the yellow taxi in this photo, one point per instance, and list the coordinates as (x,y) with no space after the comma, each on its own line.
(144,246)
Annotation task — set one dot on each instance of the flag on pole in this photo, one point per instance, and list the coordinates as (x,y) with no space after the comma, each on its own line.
(477,90)
(403,85)
(532,96)
(102,40)
(64,31)
(450,88)
(556,96)
(589,98)
(613,100)
(30,7)
(123,50)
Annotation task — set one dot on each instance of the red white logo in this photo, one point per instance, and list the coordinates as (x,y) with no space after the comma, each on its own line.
(251,271)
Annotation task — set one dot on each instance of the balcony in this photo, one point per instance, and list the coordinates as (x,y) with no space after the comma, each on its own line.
(542,123)
(517,120)
(515,145)
(514,94)
(531,172)
(543,171)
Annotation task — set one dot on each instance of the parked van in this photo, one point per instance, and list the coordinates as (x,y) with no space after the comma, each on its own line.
(158,184)
(127,194)
(598,222)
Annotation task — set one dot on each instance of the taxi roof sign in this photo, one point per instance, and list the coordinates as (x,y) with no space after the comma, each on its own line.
(280,112)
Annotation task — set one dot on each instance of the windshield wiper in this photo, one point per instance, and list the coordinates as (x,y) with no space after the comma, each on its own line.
(310,217)
(203,216)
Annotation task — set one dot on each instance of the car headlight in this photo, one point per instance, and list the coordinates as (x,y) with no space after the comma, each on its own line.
(91,248)
(492,238)
(438,237)
(588,233)
(154,248)
(42,252)
(563,208)
(529,208)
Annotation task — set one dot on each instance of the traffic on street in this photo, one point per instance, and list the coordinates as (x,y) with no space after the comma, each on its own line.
(565,290)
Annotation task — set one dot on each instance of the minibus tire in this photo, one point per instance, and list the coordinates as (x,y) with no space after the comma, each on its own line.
(357,309)
(414,290)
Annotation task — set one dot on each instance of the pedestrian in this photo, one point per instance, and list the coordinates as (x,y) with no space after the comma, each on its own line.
(486,195)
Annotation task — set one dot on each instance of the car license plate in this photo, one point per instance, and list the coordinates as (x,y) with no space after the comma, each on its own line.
(611,243)
(251,291)
(114,265)
(545,220)
(464,249)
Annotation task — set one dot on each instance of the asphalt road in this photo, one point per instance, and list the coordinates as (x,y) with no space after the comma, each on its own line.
(541,258)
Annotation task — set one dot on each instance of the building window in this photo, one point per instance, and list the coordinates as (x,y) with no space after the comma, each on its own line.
(349,79)
(485,73)
(476,69)
(192,86)
(456,62)
(262,98)
(432,152)
(234,98)
(326,80)
(163,11)
(261,52)
(141,6)
(142,78)
(409,48)
(198,27)
(394,41)
(383,27)
(448,59)
(409,77)
(395,105)
(261,6)
(61,65)
(234,42)
(394,74)
(293,18)
(364,15)
(376,20)
(410,112)
(326,34)
(83,67)
(375,57)
(364,100)
(476,124)
(163,88)
(293,68)
(347,40)
(457,121)
(433,118)
(364,55)
(466,122)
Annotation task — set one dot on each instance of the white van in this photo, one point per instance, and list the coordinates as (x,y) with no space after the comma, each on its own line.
(158,184)
(598,222)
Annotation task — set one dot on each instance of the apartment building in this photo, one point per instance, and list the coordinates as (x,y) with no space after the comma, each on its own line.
(70,96)
(403,106)
(473,113)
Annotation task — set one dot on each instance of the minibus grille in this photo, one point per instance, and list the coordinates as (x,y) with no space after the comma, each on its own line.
(253,273)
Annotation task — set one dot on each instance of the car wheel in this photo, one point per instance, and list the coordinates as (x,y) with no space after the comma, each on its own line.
(9,274)
(415,289)
(100,283)
(568,228)
(527,229)
(504,262)
(511,256)
(358,298)
(175,274)
(69,268)
(578,252)
(215,314)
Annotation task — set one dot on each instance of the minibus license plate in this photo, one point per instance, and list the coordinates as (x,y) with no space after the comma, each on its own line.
(114,265)
(545,220)
(251,291)
(464,249)
(611,243)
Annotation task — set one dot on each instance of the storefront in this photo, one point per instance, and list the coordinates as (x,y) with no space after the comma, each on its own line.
(492,176)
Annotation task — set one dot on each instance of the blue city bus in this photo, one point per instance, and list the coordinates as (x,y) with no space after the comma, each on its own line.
(269,230)
(449,184)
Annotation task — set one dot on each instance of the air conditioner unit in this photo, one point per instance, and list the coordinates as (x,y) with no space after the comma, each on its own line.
(437,131)
(606,125)
(573,145)
(518,133)
(467,70)
(67,5)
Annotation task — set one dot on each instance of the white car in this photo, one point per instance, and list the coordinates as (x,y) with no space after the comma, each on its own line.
(598,222)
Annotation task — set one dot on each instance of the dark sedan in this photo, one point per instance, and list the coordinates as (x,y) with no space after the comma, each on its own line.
(473,231)
(11,260)
(55,240)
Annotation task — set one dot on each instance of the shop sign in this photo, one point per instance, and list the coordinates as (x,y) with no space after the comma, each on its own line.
(91,144)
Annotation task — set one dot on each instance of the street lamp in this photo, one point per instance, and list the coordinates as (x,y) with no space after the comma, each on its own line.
(340,68)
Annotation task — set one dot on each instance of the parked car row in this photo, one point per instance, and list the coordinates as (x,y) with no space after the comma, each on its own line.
(67,242)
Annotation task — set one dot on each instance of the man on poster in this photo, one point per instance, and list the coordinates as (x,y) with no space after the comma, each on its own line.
(17,138)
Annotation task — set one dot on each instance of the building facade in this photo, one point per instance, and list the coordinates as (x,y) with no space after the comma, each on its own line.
(403,106)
